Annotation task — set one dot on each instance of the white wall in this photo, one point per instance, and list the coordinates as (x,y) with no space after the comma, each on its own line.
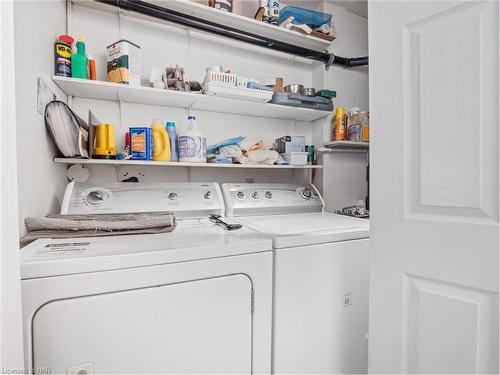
(11,342)
(163,45)
(41,182)
(352,41)
(344,173)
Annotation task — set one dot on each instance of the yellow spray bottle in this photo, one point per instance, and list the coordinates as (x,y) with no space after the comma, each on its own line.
(161,141)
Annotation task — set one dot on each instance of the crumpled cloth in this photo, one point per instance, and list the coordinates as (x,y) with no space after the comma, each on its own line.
(266,157)
(97,225)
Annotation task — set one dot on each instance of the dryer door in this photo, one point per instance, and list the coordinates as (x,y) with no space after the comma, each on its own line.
(202,326)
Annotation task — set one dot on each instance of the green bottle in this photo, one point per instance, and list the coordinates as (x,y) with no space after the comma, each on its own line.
(79,61)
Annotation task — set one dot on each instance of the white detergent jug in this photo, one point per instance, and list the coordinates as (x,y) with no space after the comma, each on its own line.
(192,144)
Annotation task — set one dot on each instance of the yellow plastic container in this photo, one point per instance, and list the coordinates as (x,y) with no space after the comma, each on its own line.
(161,142)
(105,147)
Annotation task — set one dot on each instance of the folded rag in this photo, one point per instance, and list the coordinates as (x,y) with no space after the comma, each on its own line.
(96,225)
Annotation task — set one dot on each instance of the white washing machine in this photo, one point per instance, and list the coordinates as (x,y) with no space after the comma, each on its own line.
(321,263)
(197,300)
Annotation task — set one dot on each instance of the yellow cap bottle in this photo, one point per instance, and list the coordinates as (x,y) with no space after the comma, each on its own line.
(161,141)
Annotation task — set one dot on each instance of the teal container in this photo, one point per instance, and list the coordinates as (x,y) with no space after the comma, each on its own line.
(172,134)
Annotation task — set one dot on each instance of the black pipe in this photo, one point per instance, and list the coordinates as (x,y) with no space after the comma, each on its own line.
(169,15)
(349,62)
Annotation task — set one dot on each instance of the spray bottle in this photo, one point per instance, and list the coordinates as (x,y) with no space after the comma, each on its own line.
(79,61)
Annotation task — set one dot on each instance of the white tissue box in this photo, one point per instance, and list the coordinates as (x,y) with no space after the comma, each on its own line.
(296,158)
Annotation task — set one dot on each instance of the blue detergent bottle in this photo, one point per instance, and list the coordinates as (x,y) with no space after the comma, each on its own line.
(173,141)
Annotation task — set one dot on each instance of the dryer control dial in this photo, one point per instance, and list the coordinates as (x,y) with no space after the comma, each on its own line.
(255,195)
(207,195)
(306,194)
(269,195)
(96,197)
(172,196)
(240,195)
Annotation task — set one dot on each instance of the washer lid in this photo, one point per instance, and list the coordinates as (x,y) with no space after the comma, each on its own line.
(308,228)
(194,241)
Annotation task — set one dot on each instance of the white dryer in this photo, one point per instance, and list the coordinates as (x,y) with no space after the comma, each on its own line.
(197,300)
(321,261)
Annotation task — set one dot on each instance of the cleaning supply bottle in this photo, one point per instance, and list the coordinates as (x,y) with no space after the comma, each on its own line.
(79,61)
(91,68)
(193,144)
(62,56)
(161,141)
(172,134)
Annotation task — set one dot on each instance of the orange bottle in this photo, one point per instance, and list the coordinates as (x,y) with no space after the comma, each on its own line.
(340,122)
(92,73)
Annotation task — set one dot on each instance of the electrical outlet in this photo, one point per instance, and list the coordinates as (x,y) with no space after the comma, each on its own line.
(347,300)
(128,172)
(85,369)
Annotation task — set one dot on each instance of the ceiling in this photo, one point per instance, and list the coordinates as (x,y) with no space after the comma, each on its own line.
(359,7)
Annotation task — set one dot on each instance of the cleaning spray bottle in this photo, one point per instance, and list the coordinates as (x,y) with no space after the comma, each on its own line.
(161,141)
(79,61)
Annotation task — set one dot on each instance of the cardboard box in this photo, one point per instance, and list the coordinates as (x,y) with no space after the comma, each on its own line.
(296,158)
(289,143)
(141,144)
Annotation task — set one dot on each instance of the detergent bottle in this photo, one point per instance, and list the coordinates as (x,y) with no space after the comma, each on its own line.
(172,134)
(161,141)
(79,60)
(192,144)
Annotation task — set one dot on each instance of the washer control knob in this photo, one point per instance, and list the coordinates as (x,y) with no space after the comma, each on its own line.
(95,198)
(269,195)
(207,195)
(255,195)
(306,194)
(240,195)
(172,196)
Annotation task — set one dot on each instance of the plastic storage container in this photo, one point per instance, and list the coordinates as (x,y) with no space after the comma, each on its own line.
(301,16)
(192,144)
(297,100)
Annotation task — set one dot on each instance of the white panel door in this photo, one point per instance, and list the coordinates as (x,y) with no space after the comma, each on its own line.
(434,102)
(202,326)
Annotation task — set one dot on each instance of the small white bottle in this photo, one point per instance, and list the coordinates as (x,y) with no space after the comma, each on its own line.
(192,144)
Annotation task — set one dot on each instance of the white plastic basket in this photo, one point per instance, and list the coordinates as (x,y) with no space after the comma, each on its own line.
(238,93)
(242,82)
(231,86)
(220,79)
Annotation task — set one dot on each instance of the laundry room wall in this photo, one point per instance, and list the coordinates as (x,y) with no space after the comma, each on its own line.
(344,173)
(166,45)
(41,183)
(38,23)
